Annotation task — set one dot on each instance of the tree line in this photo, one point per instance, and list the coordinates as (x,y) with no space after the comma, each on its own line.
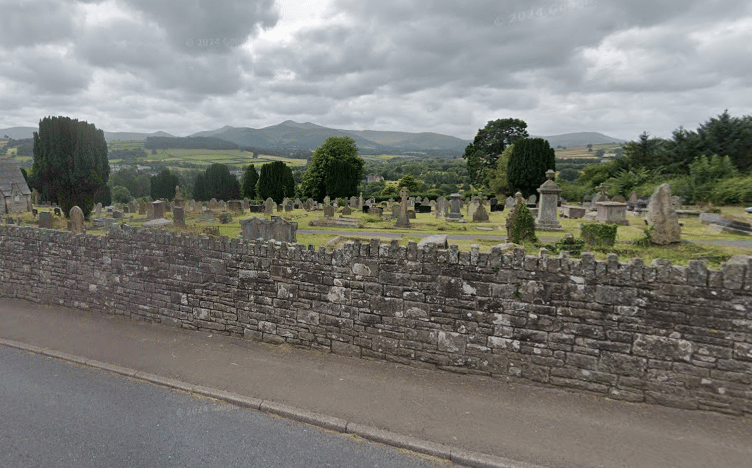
(711,164)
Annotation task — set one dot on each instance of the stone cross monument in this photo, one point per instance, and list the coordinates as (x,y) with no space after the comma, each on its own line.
(403,221)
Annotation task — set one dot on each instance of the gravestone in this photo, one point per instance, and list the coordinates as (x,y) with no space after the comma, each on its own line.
(441,204)
(225,218)
(423,208)
(77,221)
(662,218)
(58,212)
(328,211)
(269,206)
(377,210)
(246,204)
(532,200)
(360,201)
(410,214)
(346,211)
(158,209)
(471,207)
(395,211)
(633,197)
(213,204)
(601,195)
(178,199)
(118,214)
(275,229)
(126,209)
(612,213)
(178,216)
(547,219)
(45,220)
(509,202)
(236,207)
(353,202)
(403,221)
(619,199)
(455,207)
(480,215)
(98,209)
(572,211)
(142,208)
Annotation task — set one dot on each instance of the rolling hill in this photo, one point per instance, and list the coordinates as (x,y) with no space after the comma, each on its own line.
(308,136)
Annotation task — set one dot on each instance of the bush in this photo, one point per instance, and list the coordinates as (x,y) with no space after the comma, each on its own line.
(521,225)
(569,244)
(596,234)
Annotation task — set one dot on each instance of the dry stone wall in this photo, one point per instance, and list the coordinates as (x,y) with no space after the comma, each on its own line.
(664,334)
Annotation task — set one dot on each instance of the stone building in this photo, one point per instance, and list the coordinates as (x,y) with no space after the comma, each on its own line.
(15,196)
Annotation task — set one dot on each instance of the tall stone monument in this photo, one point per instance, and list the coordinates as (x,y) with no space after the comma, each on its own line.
(403,221)
(548,219)
(179,199)
(662,218)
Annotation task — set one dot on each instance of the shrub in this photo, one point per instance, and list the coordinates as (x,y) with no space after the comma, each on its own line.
(521,225)
(596,234)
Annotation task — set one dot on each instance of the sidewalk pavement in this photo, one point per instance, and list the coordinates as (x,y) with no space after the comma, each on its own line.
(510,419)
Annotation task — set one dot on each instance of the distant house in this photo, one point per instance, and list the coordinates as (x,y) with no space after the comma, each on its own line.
(15,196)
(374,178)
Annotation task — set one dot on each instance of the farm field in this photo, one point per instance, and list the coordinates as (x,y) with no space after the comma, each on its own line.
(577,152)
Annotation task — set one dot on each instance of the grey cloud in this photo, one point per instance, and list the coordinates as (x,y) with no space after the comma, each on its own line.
(47,71)
(191,23)
(28,23)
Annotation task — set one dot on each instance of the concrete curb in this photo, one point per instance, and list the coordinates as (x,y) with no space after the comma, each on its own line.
(446,452)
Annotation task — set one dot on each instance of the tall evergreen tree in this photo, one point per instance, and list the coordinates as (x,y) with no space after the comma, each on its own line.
(528,163)
(220,184)
(250,179)
(70,163)
(276,181)
(199,188)
(335,170)
(163,185)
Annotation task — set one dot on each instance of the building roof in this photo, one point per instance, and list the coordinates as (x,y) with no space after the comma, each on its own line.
(10,175)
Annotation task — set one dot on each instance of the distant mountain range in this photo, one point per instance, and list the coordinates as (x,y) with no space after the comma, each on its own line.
(307,136)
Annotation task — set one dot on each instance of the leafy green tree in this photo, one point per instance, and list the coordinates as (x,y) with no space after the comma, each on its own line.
(335,170)
(163,185)
(389,191)
(488,144)
(275,181)
(137,182)
(250,179)
(528,163)
(409,181)
(70,163)
(599,153)
(499,182)
(121,194)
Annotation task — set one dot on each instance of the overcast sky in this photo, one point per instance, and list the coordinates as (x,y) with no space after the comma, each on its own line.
(618,67)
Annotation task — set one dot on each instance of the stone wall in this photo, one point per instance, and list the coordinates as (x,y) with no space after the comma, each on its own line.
(678,336)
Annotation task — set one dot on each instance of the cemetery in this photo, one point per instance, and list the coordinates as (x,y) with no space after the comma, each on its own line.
(533,291)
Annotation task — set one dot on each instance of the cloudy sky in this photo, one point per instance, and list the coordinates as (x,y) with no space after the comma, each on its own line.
(618,67)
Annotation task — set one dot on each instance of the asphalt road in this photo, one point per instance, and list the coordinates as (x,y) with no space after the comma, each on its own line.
(57,414)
